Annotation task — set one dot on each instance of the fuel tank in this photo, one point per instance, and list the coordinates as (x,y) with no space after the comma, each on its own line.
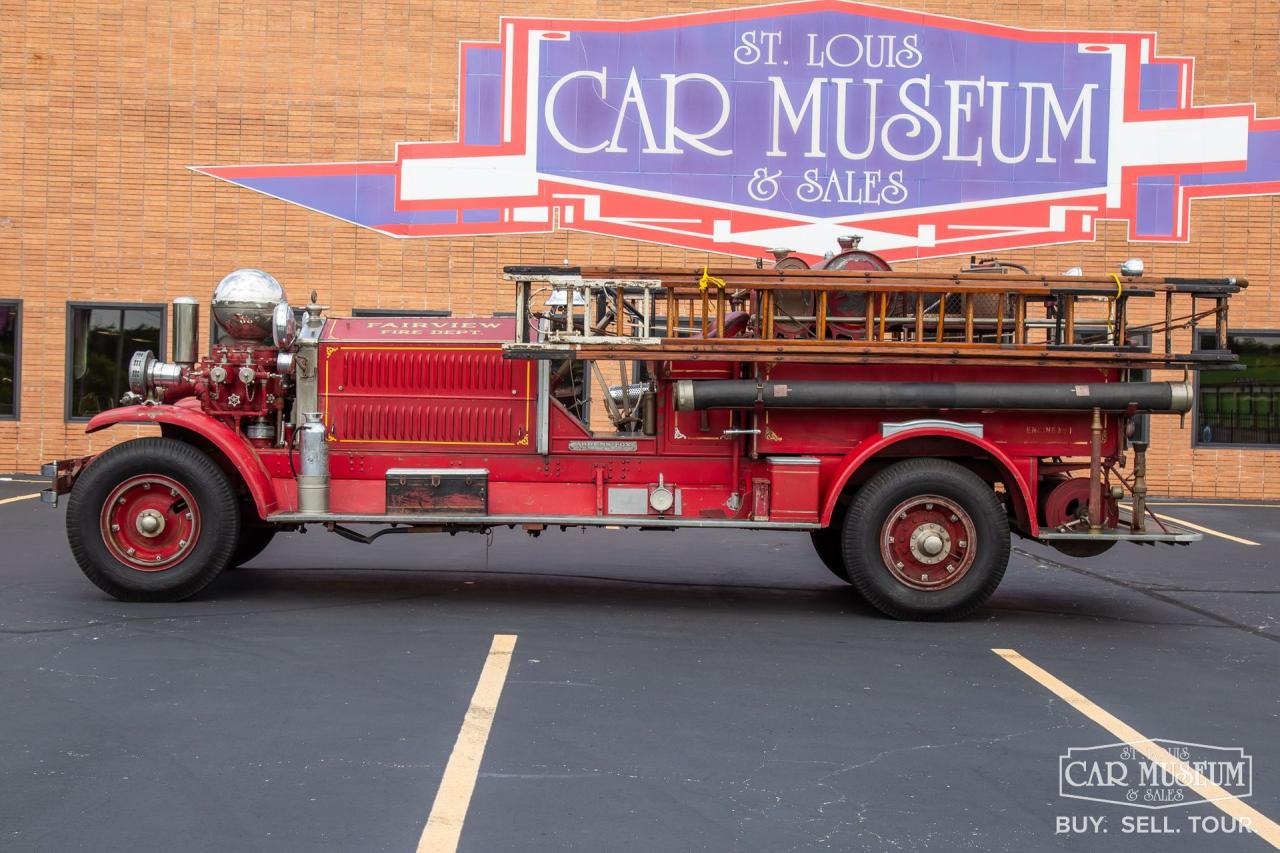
(424,383)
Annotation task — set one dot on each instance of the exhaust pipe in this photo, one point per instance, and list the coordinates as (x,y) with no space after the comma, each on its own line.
(694,395)
(186,322)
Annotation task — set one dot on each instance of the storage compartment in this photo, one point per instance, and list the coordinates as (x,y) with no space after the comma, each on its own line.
(794,496)
(440,491)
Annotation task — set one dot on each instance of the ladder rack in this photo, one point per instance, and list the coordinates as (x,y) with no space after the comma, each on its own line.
(860,317)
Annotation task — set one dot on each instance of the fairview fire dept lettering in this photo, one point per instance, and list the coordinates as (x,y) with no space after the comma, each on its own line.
(435,326)
(371,329)
(434,330)
(788,125)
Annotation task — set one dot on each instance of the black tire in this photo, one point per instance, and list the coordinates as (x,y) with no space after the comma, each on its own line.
(1081,549)
(254,539)
(829,542)
(973,540)
(176,475)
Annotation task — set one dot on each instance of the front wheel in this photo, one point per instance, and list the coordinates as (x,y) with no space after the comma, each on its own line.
(254,539)
(153,519)
(926,539)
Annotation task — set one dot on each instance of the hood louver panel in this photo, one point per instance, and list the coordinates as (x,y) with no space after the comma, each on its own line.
(427,370)
(450,423)
(461,396)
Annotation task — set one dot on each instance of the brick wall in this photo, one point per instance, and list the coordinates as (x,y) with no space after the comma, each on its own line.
(104,104)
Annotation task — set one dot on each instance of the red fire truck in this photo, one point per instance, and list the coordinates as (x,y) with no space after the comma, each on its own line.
(908,422)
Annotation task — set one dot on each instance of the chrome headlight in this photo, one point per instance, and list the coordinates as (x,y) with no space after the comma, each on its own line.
(244,303)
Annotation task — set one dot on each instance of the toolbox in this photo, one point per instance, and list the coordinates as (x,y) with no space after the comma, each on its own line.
(445,491)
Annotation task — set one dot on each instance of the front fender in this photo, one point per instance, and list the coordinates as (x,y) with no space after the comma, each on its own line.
(230,443)
(873,446)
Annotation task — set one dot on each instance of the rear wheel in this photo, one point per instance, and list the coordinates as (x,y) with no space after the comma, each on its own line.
(829,543)
(826,542)
(152,519)
(926,539)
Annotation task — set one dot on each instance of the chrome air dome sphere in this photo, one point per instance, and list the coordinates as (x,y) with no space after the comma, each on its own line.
(243,303)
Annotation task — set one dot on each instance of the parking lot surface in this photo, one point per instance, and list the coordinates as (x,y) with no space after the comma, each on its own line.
(666,692)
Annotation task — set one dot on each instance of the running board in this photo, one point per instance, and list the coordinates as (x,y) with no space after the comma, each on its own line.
(1175,535)
(440,519)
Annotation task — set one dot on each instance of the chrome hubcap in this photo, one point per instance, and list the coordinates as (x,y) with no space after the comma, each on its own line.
(930,543)
(150,523)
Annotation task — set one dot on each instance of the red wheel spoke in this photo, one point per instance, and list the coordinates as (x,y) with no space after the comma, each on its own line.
(927,542)
(150,522)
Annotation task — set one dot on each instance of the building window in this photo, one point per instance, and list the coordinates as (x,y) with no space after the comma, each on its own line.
(10,352)
(1240,407)
(400,312)
(100,341)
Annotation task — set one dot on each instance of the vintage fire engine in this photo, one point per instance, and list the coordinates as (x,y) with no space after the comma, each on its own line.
(907,421)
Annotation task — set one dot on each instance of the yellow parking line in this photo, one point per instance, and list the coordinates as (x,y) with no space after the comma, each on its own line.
(1198,528)
(1263,826)
(19,498)
(444,824)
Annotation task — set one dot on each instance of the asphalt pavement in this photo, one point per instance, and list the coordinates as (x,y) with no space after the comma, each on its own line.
(668,691)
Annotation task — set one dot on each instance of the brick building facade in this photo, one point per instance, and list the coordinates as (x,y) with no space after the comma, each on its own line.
(104,105)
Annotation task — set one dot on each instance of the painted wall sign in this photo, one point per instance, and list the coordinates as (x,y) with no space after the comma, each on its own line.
(734,131)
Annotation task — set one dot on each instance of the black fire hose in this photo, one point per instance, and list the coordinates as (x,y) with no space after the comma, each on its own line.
(692,395)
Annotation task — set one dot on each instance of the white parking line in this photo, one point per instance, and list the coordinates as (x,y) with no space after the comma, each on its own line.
(1263,826)
(19,498)
(444,825)
(1209,530)
(1212,504)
